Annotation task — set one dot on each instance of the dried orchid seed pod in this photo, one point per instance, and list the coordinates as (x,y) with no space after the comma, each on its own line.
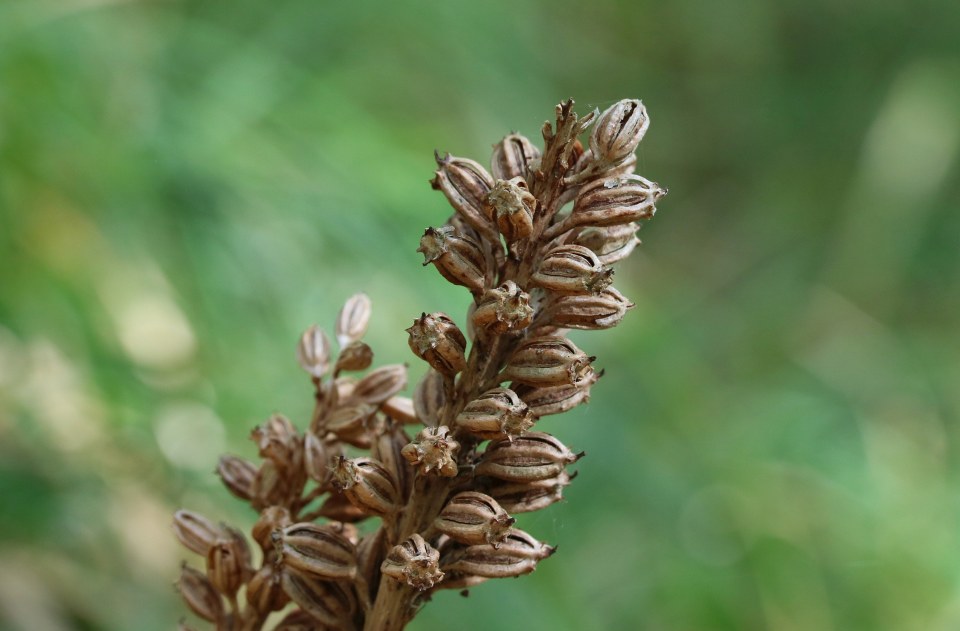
(401,410)
(316,458)
(271,519)
(495,414)
(313,352)
(465,184)
(512,206)
(489,562)
(338,508)
(353,319)
(610,243)
(354,356)
(548,361)
(602,311)
(350,421)
(572,269)
(545,400)
(512,157)
(474,518)
(277,439)
(502,309)
(228,562)
(435,339)
(456,256)
(527,497)
(381,384)
(200,595)
(195,532)
(533,456)
(432,450)
(619,130)
(387,449)
(316,550)
(367,484)
(429,398)
(522,544)
(414,562)
(238,476)
(328,602)
(270,488)
(265,591)
(614,201)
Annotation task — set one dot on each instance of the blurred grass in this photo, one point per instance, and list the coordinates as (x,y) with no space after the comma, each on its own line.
(184,186)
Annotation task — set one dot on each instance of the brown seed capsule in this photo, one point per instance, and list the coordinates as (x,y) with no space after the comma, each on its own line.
(512,156)
(610,243)
(271,519)
(238,476)
(548,361)
(457,256)
(228,561)
(353,320)
(329,602)
(544,400)
(474,518)
(313,352)
(619,130)
(465,185)
(367,484)
(316,458)
(502,309)
(381,384)
(437,340)
(488,562)
(495,414)
(612,202)
(512,206)
(350,421)
(370,554)
(354,356)
(522,544)
(601,311)
(527,497)
(270,488)
(277,439)
(429,398)
(572,269)
(195,532)
(199,593)
(414,562)
(316,550)
(533,456)
(400,409)
(386,449)
(432,450)
(265,591)
(338,508)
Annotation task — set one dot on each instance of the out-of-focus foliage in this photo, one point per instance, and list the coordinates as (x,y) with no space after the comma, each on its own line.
(185,186)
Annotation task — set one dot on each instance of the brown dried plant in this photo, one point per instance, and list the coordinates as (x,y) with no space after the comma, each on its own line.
(445,498)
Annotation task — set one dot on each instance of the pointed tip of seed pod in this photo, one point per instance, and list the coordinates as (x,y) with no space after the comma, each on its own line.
(551,550)
(602,372)
(579,455)
(573,475)
(441,160)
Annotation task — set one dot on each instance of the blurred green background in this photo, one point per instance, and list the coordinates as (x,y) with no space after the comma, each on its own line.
(185,186)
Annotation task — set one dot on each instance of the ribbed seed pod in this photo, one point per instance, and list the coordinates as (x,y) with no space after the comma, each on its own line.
(338,508)
(328,602)
(465,184)
(414,562)
(387,449)
(381,384)
(522,544)
(195,532)
(548,361)
(436,339)
(316,458)
(429,398)
(615,201)
(238,476)
(354,356)
(502,309)
(228,562)
(199,593)
(271,519)
(367,484)
(270,488)
(544,400)
(610,243)
(619,130)
(497,413)
(350,421)
(512,206)
(527,497)
(572,269)
(533,456)
(510,559)
(456,256)
(474,518)
(512,157)
(353,319)
(602,311)
(277,439)
(401,410)
(432,450)
(265,591)
(316,550)
(313,352)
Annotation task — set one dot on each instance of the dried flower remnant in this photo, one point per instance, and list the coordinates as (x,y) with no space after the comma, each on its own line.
(444,501)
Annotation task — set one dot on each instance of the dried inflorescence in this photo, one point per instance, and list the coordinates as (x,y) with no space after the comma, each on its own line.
(532,240)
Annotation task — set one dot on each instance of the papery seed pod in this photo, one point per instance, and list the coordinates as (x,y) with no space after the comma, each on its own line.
(271,519)
(414,562)
(497,413)
(456,256)
(522,544)
(436,339)
(338,508)
(614,201)
(329,602)
(367,484)
(199,593)
(313,352)
(270,488)
(474,518)
(572,269)
(511,157)
(316,458)
(465,185)
(277,439)
(401,410)
(527,497)
(353,320)
(512,206)
(601,311)
(354,356)
(502,309)
(195,532)
(387,449)
(533,456)
(265,591)
(316,550)
(488,562)
(350,420)
(432,450)
(228,562)
(619,130)
(548,361)
(610,243)
(544,400)
(238,476)
(381,384)
(429,398)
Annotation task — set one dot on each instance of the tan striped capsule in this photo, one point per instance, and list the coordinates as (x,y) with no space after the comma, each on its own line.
(329,602)
(353,319)
(381,384)
(545,400)
(458,257)
(602,311)
(474,518)
(238,476)
(533,456)
(414,562)
(466,184)
(527,497)
(429,398)
(367,484)
(572,269)
(195,532)
(610,243)
(548,361)
(619,130)
(497,413)
(313,352)
(512,157)
(354,356)
(228,561)
(615,201)
(518,555)
(316,550)
(265,590)
(199,593)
